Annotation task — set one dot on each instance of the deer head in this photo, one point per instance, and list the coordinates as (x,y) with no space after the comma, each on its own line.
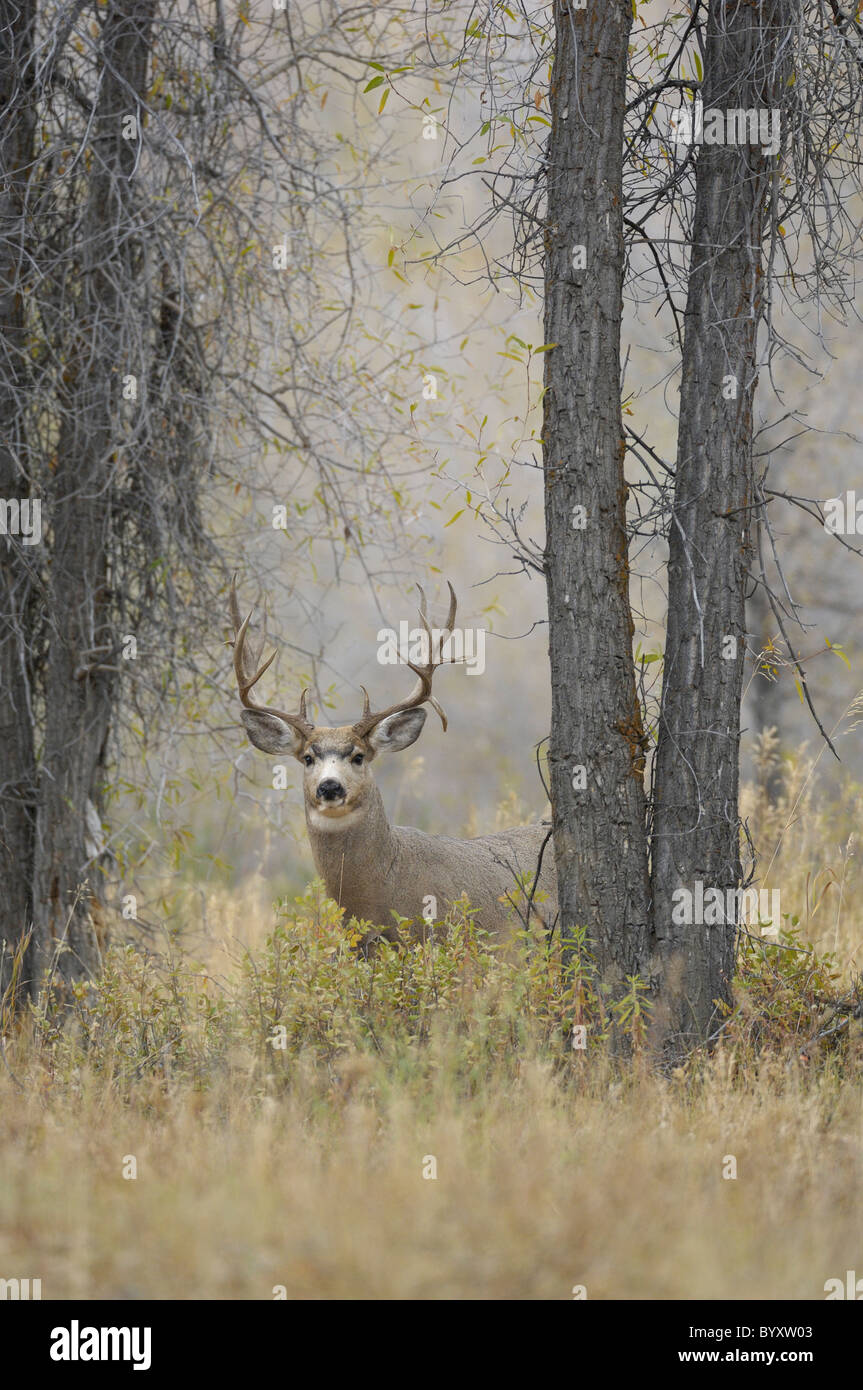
(337,777)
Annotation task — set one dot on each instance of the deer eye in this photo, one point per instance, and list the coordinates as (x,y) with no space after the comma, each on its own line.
(357,760)
(308,760)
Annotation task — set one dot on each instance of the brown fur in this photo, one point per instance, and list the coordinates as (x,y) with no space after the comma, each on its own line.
(374,869)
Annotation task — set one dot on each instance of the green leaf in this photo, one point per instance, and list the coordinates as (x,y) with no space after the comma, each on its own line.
(375,82)
(454,518)
(839,652)
(698,68)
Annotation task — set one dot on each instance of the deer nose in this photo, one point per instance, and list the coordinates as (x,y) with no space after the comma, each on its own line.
(329,789)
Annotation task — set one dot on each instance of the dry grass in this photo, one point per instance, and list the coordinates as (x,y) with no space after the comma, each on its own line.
(303,1168)
(620,1190)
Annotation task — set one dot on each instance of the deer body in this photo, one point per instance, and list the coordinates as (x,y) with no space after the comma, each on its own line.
(377,871)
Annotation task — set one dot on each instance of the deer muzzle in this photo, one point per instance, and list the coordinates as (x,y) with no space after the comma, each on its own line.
(330,790)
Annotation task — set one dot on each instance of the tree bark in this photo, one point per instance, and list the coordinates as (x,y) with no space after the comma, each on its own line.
(597,741)
(696,823)
(106,344)
(17,753)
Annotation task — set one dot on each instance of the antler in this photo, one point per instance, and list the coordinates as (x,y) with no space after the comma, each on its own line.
(421,693)
(247,675)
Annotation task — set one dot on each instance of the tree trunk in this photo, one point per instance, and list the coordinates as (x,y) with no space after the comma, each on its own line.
(696,827)
(597,740)
(107,343)
(17,565)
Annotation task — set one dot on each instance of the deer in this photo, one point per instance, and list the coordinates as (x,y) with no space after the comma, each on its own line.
(376,871)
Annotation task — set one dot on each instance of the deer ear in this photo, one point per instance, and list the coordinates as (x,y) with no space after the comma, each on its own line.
(398,732)
(270,733)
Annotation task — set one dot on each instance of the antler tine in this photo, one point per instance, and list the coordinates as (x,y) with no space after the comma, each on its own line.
(422,691)
(453,604)
(244,669)
(248,672)
(234,604)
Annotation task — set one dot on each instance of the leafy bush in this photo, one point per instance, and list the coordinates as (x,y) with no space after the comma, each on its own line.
(309,994)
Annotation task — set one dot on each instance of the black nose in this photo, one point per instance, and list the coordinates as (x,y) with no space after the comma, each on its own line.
(329,789)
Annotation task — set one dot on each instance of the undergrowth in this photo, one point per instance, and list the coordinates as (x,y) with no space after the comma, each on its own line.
(456,1000)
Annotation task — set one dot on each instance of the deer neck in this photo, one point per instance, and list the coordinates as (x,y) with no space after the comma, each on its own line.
(352,856)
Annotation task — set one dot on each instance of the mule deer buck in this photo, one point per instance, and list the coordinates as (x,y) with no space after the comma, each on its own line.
(374,869)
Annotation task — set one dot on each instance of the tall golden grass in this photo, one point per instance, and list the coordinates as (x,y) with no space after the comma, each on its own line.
(418,1126)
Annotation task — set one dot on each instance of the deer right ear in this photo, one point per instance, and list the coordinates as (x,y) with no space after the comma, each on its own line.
(399,731)
(270,733)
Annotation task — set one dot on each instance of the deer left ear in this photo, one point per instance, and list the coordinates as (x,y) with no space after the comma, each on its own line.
(270,733)
(398,731)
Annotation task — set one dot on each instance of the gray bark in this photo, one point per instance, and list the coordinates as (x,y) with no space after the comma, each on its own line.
(696,827)
(599,831)
(105,345)
(17,754)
